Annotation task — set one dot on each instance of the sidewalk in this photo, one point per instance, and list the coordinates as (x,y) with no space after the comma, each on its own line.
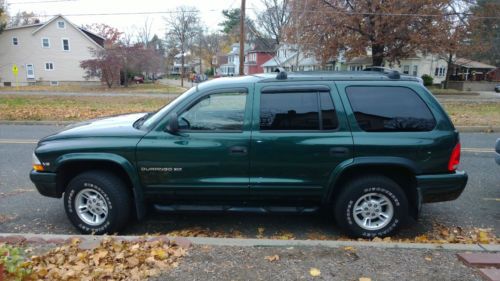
(265,259)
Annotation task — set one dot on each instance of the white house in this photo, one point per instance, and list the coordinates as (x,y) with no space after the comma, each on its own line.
(418,65)
(290,59)
(232,66)
(46,53)
(190,64)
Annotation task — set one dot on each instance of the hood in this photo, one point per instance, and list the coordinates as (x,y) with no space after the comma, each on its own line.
(115,126)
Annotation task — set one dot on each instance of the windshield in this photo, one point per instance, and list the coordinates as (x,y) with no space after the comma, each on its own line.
(158,115)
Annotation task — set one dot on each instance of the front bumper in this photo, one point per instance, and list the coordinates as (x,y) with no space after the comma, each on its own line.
(441,187)
(45,183)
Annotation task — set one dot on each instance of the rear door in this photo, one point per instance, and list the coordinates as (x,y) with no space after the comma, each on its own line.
(299,135)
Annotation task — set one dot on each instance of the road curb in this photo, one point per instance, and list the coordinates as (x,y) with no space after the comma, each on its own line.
(17,238)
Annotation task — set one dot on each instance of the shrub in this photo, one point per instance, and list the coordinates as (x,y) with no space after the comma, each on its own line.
(428,80)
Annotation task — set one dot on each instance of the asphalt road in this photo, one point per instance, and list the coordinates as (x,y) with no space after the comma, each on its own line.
(22,209)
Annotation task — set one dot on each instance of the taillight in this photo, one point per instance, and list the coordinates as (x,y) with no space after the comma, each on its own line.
(454,158)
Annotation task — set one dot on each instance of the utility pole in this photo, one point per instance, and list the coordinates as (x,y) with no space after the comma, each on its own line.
(242,37)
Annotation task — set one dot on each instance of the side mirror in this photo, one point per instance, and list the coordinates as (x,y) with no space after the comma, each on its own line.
(173,124)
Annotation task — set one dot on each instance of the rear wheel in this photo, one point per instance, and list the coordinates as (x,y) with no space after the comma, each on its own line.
(97,202)
(371,206)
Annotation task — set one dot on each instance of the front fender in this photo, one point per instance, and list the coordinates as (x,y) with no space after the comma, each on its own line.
(129,169)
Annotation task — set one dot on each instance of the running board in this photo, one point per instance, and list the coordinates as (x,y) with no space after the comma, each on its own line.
(219,208)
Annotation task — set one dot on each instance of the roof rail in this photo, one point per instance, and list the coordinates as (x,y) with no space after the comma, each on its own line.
(393,74)
(281,74)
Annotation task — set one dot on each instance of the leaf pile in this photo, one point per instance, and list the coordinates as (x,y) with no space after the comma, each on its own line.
(111,260)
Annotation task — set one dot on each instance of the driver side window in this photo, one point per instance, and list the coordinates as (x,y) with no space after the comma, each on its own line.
(215,112)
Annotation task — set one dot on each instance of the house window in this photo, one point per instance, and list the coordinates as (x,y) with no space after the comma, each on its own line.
(415,70)
(406,69)
(61,25)
(65,45)
(15,41)
(49,66)
(45,43)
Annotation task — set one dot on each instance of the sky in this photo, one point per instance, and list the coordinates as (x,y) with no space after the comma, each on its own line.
(210,11)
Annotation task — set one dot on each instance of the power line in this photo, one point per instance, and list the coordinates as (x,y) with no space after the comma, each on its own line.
(40,2)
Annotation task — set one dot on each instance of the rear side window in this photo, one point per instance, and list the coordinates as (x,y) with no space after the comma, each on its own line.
(389,109)
(297,111)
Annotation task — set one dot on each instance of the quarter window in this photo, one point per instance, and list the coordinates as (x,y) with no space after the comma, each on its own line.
(215,112)
(297,111)
(390,109)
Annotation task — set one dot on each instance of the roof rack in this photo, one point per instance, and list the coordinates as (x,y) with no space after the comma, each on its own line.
(281,74)
(393,74)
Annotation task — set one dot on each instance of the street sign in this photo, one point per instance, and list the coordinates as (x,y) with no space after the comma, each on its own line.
(15,70)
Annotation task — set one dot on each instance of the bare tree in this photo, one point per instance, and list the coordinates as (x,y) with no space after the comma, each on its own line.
(183,26)
(3,15)
(274,18)
(23,18)
(145,33)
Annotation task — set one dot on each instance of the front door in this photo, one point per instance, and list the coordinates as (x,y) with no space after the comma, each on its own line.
(300,134)
(208,158)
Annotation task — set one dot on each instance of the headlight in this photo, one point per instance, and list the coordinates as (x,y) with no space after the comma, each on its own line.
(37,165)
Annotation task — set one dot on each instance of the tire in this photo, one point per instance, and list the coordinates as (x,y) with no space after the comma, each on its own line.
(109,192)
(375,197)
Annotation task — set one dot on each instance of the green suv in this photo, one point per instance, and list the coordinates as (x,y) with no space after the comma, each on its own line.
(368,147)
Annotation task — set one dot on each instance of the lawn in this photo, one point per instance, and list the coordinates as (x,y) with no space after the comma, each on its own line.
(74,108)
(133,88)
(450,92)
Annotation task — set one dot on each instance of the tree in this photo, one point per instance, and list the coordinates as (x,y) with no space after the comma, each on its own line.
(110,34)
(212,46)
(485,31)
(105,65)
(391,29)
(231,25)
(274,18)
(23,18)
(3,16)
(183,26)
(144,34)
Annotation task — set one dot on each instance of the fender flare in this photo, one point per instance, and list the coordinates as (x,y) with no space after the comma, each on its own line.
(129,169)
(359,162)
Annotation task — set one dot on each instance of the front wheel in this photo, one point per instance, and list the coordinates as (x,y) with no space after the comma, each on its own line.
(371,206)
(97,202)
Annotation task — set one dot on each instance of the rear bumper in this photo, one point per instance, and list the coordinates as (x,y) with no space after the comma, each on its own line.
(45,184)
(441,187)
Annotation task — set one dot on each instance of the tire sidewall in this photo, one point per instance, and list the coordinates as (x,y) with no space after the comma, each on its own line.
(391,191)
(69,203)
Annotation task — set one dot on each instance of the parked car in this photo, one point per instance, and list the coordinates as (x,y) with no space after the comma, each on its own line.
(497,150)
(368,147)
(497,88)
(138,79)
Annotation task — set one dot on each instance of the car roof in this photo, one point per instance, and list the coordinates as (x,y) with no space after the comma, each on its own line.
(313,76)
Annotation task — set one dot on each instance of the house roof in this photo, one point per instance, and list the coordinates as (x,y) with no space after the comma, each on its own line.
(262,45)
(24,26)
(472,64)
(360,60)
(85,33)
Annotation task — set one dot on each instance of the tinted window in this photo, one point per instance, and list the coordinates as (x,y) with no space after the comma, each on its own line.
(289,111)
(328,115)
(215,112)
(389,109)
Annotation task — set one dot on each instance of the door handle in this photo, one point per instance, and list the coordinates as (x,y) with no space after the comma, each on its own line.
(238,150)
(339,151)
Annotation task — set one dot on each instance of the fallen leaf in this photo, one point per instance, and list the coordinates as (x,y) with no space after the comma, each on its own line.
(272,258)
(428,258)
(314,272)
(365,279)
(349,248)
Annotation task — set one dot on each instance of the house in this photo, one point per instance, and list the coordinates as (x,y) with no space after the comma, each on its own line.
(493,75)
(290,58)
(469,70)
(217,61)
(417,65)
(231,68)
(46,53)
(260,51)
(190,64)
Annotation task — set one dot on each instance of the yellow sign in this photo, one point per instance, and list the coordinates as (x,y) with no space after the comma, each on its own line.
(15,70)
